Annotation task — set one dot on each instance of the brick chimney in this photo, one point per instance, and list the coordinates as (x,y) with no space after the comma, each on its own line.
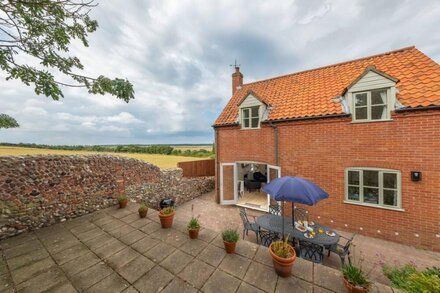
(237,79)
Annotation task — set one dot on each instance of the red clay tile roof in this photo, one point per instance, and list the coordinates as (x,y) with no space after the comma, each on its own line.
(310,93)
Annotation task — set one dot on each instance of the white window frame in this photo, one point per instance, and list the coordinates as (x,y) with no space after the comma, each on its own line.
(361,186)
(250,117)
(387,104)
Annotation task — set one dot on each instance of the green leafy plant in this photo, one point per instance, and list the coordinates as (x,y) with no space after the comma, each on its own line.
(8,122)
(193,224)
(355,275)
(282,248)
(230,235)
(167,211)
(408,279)
(143,207)
(122,197)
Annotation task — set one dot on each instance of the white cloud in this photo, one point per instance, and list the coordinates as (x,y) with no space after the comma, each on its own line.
(176,54)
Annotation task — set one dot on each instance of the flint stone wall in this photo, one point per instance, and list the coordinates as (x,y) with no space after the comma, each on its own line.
(37,191)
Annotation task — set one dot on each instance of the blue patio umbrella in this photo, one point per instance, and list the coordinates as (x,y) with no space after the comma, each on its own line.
(294,190)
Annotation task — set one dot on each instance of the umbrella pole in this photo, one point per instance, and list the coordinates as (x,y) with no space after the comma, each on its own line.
(293,215)
(282,207)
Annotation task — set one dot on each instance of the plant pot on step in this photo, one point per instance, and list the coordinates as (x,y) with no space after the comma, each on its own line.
(193,233)
(143,212)
(282,265)
(230,246)
(166,219)
(352,288)
(122,200)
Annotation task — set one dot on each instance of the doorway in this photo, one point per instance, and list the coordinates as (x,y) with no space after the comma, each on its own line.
(241,183)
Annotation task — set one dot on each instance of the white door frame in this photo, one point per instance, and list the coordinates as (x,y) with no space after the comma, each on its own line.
(278,168)
(235,200)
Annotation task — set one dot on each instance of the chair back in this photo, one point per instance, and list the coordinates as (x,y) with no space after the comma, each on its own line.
(244,217)
(267,237)
(310,251)
(346,247)
(301,214)
(275,209)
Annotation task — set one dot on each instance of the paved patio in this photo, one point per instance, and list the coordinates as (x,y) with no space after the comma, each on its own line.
(114,250)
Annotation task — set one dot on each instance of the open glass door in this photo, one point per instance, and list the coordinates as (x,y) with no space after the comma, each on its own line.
(272,173)
(228,183)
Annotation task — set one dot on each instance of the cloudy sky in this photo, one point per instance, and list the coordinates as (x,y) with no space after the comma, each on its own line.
(177,55)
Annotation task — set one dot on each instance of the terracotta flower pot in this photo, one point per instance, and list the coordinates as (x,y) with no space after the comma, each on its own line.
(351,288)
(193,233)
(143,213)
(123,203)
(283,266)
(166,220)
(230,246)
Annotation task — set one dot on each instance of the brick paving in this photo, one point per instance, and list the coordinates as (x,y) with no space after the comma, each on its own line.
(114,250)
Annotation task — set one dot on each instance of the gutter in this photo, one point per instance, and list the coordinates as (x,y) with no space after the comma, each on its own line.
(308,118)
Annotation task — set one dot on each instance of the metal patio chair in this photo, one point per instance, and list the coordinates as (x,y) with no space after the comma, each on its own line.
(343,251)
(311,251)
(248,225)
(267,237)
(301,214)
(275,209)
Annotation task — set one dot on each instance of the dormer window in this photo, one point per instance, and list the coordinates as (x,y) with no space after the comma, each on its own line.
(371,105)
(250,117)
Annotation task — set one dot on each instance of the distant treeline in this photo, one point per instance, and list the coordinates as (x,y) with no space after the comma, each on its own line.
(152,149)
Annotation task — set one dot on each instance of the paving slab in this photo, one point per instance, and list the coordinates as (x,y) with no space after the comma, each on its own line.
(131,289)
(159,252)
(130,218)
(261,276)
(133,270)
(80,264)
(132,237)
(235,265)
(292,284)
(196,273)
(121,231)
(139,223)
(90,234)
(150,228)
(246,248)
(154,281)
(176,261)
(17,240)
(26,259)
(6,283)
(103,221)
(112,225)
(303,269)
(171,236)
(91,276)
(110,248)
(22,248)
(88,226)
(262,256)
(120,213)
(179,286)
(193,246)
(212,255)
(43,282)
(70,253)
(145,244)
(57,246)
(122,257)
(207,234)
(221,282)
(247,288)
(317,289)
(328,278)
(100,240)
(112,283)
(63,287)
(27,272)
(380,288)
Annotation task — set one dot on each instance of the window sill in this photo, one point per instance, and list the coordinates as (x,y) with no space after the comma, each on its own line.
(253,128)
(371,121)
(397,209)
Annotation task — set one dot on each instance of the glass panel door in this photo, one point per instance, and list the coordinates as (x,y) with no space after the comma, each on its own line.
(272,173)
(228,183)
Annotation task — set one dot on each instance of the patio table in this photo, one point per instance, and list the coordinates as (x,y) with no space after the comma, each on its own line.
(274,223)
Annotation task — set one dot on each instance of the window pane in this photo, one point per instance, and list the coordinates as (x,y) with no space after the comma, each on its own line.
(389,180)
(390,197)
(246,123)
(371,195)
(353,193)
(246,113)
(361,113)
(371,178)
(255,111)
(361,99)
(255,122)
(353,177)
(378,112)
(378,97)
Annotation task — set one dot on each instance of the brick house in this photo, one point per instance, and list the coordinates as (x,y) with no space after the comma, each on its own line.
(367,131)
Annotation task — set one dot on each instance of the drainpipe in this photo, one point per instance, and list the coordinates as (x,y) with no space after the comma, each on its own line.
(217,165)
(275,128)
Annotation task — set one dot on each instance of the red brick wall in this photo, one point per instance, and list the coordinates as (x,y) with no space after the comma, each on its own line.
(321,150)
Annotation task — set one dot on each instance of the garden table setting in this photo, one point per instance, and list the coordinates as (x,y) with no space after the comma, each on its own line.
(307,231)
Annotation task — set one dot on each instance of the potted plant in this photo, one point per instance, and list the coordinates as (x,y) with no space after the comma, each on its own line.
(230,238)
(354,279)
(143,209)
(283,256)
(166,216)
(122,200)
(193,225)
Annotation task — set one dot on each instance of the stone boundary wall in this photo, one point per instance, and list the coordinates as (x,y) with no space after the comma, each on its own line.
(37,191)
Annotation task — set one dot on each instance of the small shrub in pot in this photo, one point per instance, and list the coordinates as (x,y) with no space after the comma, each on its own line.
(166,216)
(230,239)
(283,256)
(354,279)
(122,200)
(143,210)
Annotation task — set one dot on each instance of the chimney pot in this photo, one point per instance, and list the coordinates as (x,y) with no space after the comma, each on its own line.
(237,79)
